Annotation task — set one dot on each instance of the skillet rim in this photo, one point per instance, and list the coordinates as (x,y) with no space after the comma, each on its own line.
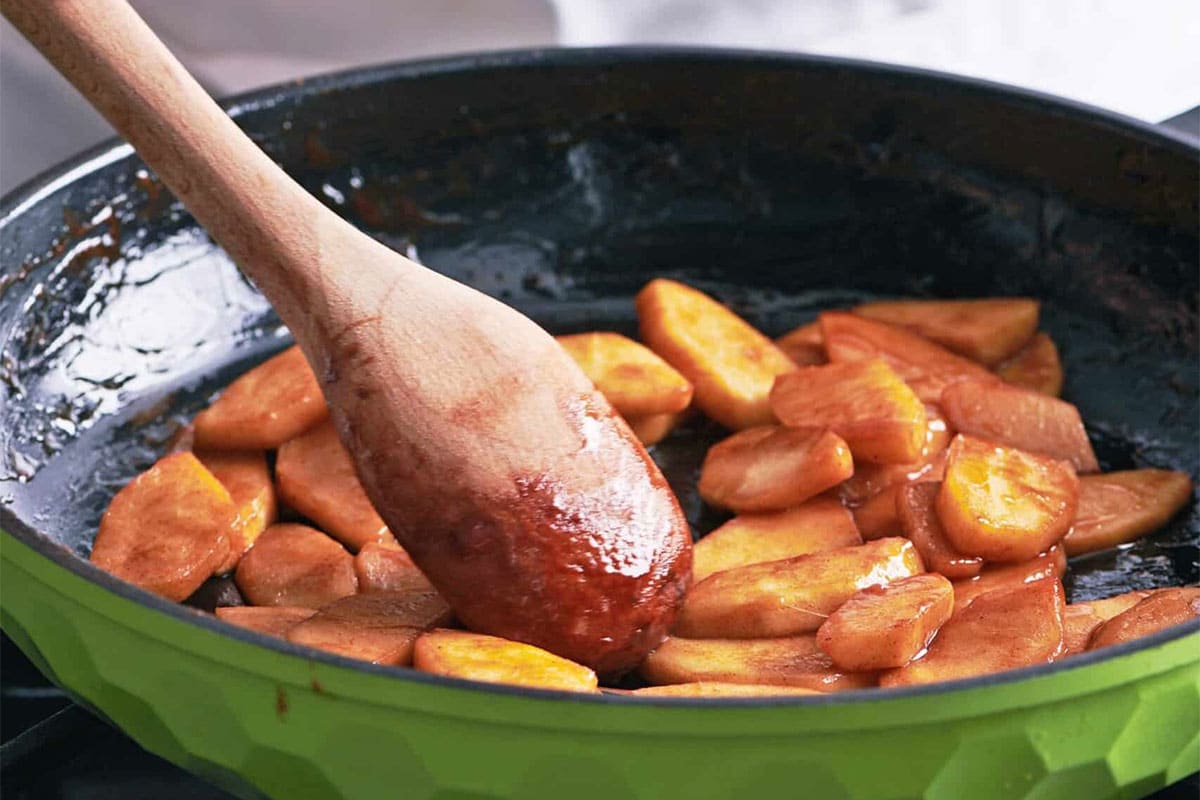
(49,181)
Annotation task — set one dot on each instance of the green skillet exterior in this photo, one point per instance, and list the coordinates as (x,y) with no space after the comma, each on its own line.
(261,721)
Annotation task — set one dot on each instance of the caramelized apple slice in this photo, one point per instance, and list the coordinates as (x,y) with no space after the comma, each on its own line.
(719,689)
(877,517)
(1162,609)
(315,476)
(804,345)
(1019,418)
(920,523)
(886,626)
(864,402)
(245,475)
(473,656)
(384,568)
(730,364)
(869,480)
(927,367)
(1118,507)
(1003,629)
(795,595)
(1081,619)
(295,565)
(630,375)
(986,330)
(380,627)
(276,401)
(1051,564)
(168,530)
(818,525)
(653,428)
(1003,504)
(1035,367)
(271,620)
(772,468)
(791,661)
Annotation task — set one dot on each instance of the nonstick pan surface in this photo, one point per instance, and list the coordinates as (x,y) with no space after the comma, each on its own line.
(560,182)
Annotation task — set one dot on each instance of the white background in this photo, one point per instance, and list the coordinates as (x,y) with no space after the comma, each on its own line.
(1139,57)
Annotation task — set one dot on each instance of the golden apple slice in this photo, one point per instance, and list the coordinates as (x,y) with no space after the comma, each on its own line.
(887,626)
(1051,564)
(729,363)
(815,526)
(986,330)
(869,480)
(295,565)
(795,595)
(1003,629)
(271,620)
(490,659)
(925,366)
(244,473)
(1162,609)
(1029,421)
(634,379)
(1003,504)
(920,523)
(803,345)
(790,661)
(384,568)
(273,402)
(1036,367)
(168,530)
(653,428)
(864,402)
(1119,507)
(379,627)
(1081,619)
(772,468)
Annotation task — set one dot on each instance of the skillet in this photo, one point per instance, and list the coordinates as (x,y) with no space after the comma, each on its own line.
(561,181)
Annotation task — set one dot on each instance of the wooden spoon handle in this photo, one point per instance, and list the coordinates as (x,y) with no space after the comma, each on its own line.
(268,224)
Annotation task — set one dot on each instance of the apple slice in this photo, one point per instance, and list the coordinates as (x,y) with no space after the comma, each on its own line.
(869,480)
(730,364)
(887,626)
(1119,507)
(877,517)
(168,529)
(315,475)
(772,468)
(271,620)
(795,595)
(634,379)
(1051,564)
(864,402)
(920,523)
(818,525)
(379,627)
(490,659)
(1003,629)
(986,330)
(719,689)
(925,366)
(791,661)
(1003,504)
(653,428)
(384,568)
(273,402)
(1029,421)
(804,345)
(1081,619)
(245,475)
(295,565)
(1036,367)
(1162,609)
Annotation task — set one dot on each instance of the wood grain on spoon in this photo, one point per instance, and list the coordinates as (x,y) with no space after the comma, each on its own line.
(508,479)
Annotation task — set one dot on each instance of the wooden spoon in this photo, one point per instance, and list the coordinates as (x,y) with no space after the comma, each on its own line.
(512,483)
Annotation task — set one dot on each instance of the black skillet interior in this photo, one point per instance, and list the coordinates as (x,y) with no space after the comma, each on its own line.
(562,181)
